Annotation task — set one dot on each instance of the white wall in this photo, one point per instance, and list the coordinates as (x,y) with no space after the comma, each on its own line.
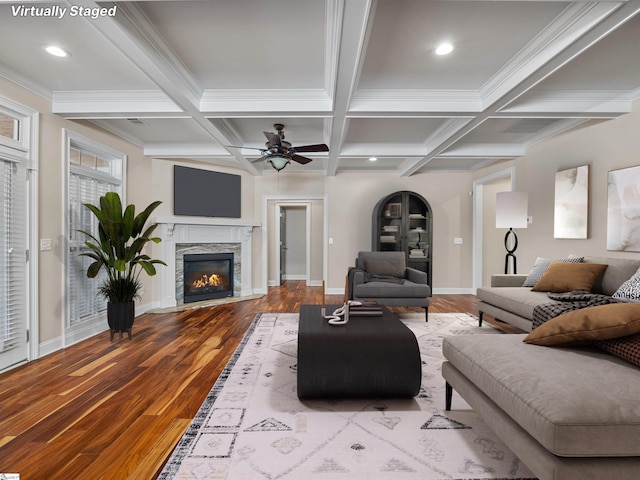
(605,146)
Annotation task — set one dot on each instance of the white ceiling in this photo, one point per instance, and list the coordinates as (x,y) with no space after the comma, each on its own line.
(358,75)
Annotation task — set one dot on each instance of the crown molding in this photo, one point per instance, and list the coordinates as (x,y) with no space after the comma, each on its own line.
(89,102)
(607,103)
(25,82)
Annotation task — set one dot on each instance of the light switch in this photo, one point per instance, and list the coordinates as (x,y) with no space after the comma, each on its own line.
(330,240)
(457,240)
(45,244)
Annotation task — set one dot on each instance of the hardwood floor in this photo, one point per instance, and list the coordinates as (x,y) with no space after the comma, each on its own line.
(101,410)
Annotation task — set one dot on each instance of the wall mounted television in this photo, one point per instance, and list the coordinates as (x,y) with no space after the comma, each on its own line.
(203,193)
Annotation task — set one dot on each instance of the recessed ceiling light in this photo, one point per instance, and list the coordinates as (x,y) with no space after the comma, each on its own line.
(373,159)
(56,51)
(444,49)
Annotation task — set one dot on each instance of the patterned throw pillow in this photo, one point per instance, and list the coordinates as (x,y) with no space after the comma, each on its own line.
(541,265)
(627,348)
(630,290)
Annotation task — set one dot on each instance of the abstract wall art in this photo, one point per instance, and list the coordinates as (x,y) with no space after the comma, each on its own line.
(623,210)
(571,209)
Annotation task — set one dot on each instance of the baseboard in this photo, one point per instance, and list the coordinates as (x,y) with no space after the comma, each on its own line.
(294,277)
(50,346)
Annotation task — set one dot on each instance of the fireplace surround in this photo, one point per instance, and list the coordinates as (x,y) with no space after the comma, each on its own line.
(182,236)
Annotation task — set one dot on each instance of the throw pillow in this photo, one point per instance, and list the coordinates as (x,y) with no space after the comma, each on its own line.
(627,348)
(587,325)
(567,277)
(630,290)
(383,267)
(540,266)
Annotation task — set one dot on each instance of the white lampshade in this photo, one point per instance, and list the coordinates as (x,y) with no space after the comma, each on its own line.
(278,162)
(511,210)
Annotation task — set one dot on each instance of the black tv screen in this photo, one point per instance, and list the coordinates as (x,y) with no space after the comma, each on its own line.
(203,193)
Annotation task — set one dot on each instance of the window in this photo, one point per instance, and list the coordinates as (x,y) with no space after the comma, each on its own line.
(94,170)
(9,127)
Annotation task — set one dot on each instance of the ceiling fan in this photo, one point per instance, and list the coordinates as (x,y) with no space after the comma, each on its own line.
(279,153)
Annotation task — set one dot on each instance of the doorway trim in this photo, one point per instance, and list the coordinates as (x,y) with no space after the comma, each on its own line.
(291,200)
(509,173)
(307,255)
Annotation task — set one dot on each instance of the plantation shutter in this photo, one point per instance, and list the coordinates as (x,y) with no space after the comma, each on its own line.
(85,302)
(13,262)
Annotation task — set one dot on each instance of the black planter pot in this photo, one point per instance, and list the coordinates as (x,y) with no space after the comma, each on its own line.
(120,317)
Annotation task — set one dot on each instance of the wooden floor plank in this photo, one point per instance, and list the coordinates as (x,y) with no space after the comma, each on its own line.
(115,410)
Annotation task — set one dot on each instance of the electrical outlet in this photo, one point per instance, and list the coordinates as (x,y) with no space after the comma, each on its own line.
(457,240)
(45,244)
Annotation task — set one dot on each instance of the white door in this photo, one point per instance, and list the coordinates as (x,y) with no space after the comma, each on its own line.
(14,346)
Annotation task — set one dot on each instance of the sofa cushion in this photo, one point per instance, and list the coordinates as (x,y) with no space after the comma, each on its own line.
(567,277)
(629,290)
(588,325)
(384,267)
(618,271)
(518,300)
(406,289)
(574,402)
(540,266)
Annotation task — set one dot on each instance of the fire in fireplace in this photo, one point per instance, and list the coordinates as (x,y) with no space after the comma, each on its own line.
(207,276)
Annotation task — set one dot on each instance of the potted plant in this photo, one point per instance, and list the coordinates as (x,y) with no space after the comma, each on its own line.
(118,248)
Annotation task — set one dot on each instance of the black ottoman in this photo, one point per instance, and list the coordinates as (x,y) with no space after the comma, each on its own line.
(367,357)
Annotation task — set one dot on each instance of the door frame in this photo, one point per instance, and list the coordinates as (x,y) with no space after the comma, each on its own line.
(478,185)
(26,149)
(291,200)
(280,206)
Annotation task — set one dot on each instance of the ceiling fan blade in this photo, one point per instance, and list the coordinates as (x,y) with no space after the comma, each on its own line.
(300,159)
(321,147)
(274,138)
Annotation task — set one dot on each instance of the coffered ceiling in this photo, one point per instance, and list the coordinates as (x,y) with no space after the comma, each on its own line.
(191,79)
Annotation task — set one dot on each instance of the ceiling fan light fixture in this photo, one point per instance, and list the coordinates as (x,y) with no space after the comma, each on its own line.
(445,48)
(278,162)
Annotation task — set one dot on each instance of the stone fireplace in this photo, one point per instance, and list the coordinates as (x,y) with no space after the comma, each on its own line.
(186,237)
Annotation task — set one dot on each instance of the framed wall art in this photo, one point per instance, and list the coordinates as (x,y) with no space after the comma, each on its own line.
(571,207)
(623,210)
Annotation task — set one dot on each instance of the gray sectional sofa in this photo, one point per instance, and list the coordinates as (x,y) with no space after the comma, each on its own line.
(508,301)
(569,413)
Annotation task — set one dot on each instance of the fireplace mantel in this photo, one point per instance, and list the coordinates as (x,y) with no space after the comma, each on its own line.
(195,230)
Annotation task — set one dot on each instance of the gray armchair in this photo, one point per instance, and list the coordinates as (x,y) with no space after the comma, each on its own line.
(385,278)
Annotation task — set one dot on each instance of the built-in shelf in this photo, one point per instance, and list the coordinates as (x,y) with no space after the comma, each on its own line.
(402,222)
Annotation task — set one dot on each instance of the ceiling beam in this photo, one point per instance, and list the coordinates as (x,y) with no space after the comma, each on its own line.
(135,37)
(357,14)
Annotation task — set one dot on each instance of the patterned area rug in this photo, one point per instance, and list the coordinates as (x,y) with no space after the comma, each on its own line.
(253,426)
